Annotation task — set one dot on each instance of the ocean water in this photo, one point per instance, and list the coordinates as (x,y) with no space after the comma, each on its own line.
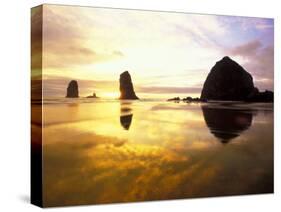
(104,151)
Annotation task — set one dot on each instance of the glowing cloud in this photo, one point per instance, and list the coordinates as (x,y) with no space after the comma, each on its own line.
(98,44)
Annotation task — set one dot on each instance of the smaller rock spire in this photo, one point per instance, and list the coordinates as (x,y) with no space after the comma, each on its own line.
(72,89)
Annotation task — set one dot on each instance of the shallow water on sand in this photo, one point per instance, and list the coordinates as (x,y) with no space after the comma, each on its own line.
(98,151)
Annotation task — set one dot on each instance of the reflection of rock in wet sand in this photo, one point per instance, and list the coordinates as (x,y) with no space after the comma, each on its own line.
(126,121)
(126,114)
(226,124)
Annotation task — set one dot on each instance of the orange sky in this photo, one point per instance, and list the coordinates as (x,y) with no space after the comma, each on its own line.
(166,53)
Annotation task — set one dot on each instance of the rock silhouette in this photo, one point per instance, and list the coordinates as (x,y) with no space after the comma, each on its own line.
(126,121)
(190,99)
(187,99)
(126,115)
(228,80)
(226,124)
(126,86)
(175,99)
(92,96)
(72,89)
(266,96)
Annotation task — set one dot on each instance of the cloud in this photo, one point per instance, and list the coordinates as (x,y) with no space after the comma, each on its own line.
(262,66)
(258,23)
(247,49)
(203,30)
(248,23)
(118,53)
(258,60)
(98,43)
(65,40)
(107,32)
(160,90)
(71,55)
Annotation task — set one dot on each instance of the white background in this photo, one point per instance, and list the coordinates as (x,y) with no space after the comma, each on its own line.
(15,109)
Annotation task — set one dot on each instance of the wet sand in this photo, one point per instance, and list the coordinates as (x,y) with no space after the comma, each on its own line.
(120,151)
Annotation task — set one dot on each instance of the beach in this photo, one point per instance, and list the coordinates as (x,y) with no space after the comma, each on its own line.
(106,151)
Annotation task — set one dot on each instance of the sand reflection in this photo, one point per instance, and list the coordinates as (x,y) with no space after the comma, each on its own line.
(227,123)
(168,153)
(126,115)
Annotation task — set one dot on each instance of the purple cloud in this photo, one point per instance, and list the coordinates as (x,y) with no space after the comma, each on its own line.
(247,49)
(258,60)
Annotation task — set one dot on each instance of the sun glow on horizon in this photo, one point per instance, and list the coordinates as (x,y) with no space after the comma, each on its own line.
(160,50)
(110,95)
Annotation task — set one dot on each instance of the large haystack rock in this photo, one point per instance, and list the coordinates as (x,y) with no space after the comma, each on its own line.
(228,80)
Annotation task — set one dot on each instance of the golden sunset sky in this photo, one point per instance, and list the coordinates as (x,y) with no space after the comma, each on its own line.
(167,54)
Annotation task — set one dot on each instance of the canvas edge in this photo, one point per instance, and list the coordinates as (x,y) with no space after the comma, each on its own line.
(36,184)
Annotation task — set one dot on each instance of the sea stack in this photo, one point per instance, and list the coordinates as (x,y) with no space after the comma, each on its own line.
(228,81)
(72,89)
(126,86)
(94,96)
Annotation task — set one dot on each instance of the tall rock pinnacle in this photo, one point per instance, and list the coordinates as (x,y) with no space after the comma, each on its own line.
(126,86)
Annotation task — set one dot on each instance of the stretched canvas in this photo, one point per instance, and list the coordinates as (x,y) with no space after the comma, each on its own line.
(134,105)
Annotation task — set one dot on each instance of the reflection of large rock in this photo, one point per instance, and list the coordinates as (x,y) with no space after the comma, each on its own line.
(126,86)
(226,124)
(72,89)
(228,80)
